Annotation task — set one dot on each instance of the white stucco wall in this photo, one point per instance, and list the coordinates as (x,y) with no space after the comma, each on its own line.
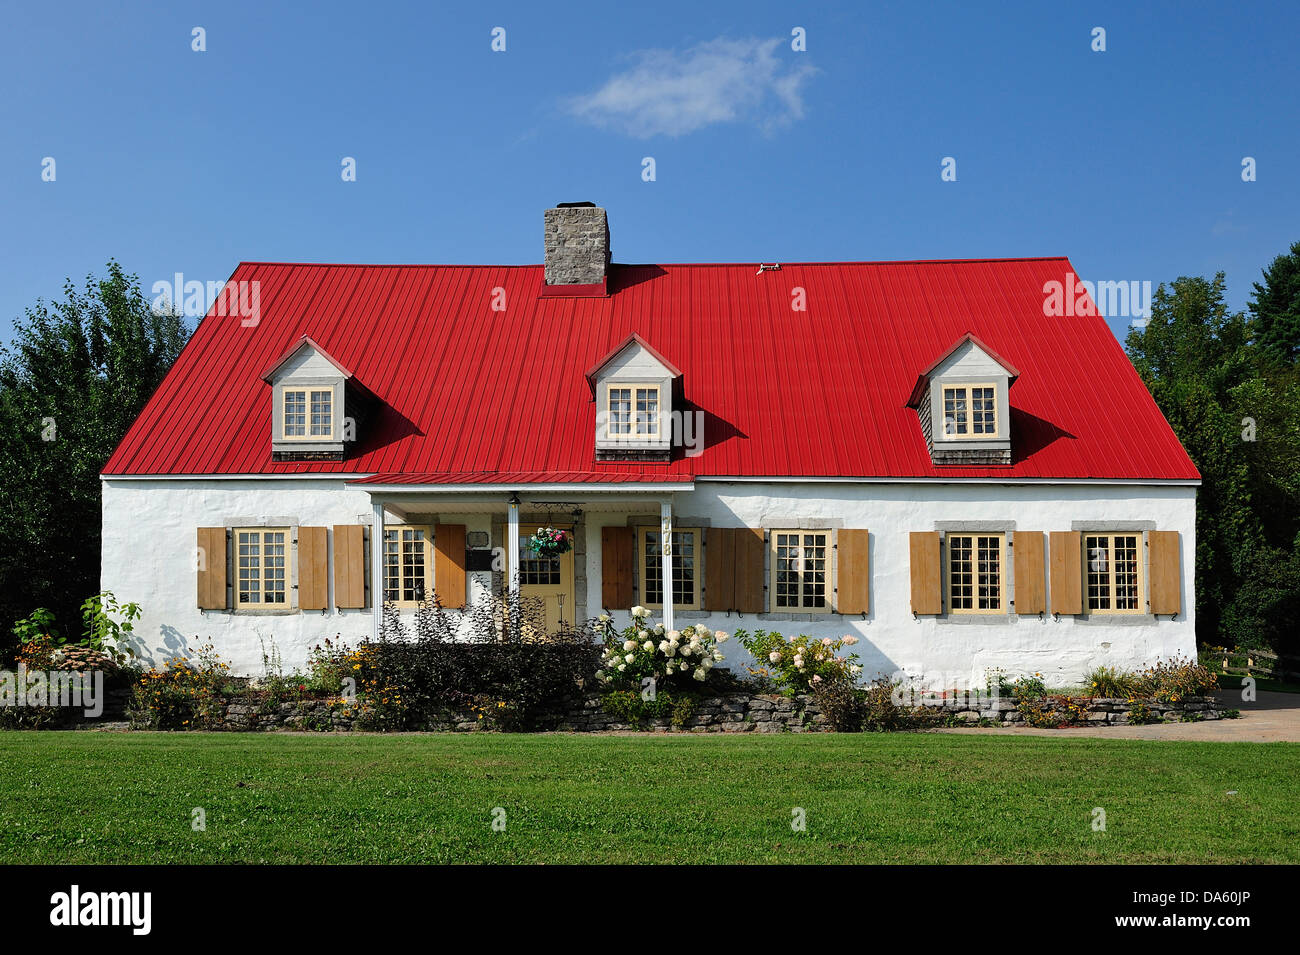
(149,537)
(945,649)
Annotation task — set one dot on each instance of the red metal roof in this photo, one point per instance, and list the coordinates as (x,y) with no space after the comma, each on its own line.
(469,394)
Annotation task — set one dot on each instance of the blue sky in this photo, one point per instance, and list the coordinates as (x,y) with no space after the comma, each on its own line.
(170,160)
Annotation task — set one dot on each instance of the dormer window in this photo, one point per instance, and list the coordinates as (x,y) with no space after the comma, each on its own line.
(962,406)
(970,411)
(315,404)
(308,414)
(635,389)
(623,421)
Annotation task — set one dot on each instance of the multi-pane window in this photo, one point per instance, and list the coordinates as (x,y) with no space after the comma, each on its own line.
(620,411)
(634,410)
(647,411)
(295,414)
(308,413)
(800,566)
(406,564)
(261,568)
(976,573)
(537,570)
(970,411)
(685,568)
(322,413)
(1114,572)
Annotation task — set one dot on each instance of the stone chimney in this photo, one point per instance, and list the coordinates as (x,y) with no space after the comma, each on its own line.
(576,238)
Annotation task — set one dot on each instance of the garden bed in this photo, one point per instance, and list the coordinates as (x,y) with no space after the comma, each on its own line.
(736,712)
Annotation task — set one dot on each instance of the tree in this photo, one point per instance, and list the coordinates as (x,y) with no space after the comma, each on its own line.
(75,376)
(1275,309)
(1238,415)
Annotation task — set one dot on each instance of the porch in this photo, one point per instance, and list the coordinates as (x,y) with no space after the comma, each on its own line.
(469,543)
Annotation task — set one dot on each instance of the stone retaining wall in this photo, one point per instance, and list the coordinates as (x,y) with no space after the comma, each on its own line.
(1099,711)
(740,713)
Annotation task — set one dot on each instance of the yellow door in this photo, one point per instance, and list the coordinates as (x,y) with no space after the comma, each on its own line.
(549,580)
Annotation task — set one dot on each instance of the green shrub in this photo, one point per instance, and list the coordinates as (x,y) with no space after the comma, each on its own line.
(184,694)
(844,704)
(1112,683)
(497,658)
(1176,679)
(1139,713)
(1029,687)
(632,706)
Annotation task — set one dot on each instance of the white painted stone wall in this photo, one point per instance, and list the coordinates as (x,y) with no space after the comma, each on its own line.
(943,650)
(149,537)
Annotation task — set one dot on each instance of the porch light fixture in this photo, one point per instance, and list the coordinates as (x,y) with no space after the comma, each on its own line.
(514,500)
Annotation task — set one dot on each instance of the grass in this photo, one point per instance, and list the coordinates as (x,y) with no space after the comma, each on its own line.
(127,798)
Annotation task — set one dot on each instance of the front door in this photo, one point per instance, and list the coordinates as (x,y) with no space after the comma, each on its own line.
(549,580)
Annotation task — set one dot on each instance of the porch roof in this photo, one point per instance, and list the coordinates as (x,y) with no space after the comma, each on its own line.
(480,480)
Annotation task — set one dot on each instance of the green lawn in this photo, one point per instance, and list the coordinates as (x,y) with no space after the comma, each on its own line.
(115,798)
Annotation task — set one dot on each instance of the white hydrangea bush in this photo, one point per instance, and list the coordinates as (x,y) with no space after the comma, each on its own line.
(646,649)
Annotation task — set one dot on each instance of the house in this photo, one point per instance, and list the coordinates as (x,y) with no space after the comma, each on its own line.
(911,452)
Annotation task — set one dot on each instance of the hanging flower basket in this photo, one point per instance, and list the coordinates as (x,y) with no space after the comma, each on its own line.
(548,542)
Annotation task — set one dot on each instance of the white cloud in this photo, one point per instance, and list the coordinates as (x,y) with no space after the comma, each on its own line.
(671,93)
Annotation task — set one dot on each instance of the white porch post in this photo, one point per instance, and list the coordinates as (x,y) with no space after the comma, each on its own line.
(512,545)
(666,558)
(377,564)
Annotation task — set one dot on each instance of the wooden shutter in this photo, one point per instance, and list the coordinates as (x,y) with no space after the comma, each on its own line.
(1067,572)
(212,568)
(449,565)
(927,592)
(313,568)
(617,552)
(1031,592)
(852,580)
(749,552)
(720,568)
(1165,587)
(350,566)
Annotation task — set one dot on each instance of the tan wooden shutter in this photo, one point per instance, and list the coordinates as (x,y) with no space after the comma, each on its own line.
(927,592)
(852,577)
(1067,572)
(720,568)
(1031,593)
(313,568)
(617,551)
(212,568)
(748,578)
(1165,587)
(350,566)
(449,564)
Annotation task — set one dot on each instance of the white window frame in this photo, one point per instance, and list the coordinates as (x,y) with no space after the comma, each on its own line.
(697,565)
(653,423)
(1112,572)
(308,394)
(967,394)
(828,577)
(427,553)
(286,578)
(1003,576)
